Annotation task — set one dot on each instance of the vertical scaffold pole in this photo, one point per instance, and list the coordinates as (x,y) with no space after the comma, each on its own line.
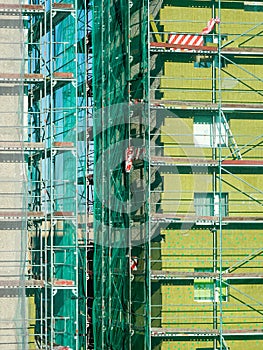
(220,183)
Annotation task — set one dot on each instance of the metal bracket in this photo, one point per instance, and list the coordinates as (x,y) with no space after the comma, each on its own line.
(75,292)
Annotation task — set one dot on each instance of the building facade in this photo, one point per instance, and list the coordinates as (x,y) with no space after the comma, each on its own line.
(44,232)
(178,174)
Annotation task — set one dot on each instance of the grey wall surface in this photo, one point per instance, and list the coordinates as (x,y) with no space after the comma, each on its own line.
(13,236)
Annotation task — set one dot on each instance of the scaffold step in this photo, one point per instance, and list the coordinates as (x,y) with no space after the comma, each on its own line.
(27,78)
(61,214)
(242,163)
(20,145)
(62,75)
(177,48)
(32,8)
(62,6)
(177,218)
(16,215)
(59,78)
(196,105)
(38,215)
(21,283)
(243,51)
(63,145)
(25,9)
(183,275)
(231,333)
(33,283)
(213,220)
(175,161)
(191,105)
(211,50)
(61,283)
(174,332)
(197,162)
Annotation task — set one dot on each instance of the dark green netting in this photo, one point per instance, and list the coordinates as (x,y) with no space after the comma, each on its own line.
(119,76)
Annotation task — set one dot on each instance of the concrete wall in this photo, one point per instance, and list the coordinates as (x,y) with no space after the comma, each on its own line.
(12,180)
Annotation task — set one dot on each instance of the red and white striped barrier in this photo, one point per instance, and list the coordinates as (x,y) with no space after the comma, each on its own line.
(192,39)
(210,25)
(134,263)
(186,39)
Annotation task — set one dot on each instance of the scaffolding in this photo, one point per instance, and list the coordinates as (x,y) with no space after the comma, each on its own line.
(53,144)
(13,234)
(178,174)
(90,184)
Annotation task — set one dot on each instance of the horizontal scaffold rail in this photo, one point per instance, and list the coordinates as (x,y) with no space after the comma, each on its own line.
(244,51)
(63,75)
(204,333)
(183,275)
(20,145)
(33,283)
(62,214)
(178,48)
(26,78)
(16,215)
(25,9)
(175,161)
(21,148)
(175,48)
(63,144)
(61,283)
(59,78)
(213,220)
(21,283)
(196,105)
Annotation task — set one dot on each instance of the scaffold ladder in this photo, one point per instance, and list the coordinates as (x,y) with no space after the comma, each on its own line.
(232,144)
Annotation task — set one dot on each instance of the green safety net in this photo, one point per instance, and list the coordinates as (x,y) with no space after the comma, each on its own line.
(119,76)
